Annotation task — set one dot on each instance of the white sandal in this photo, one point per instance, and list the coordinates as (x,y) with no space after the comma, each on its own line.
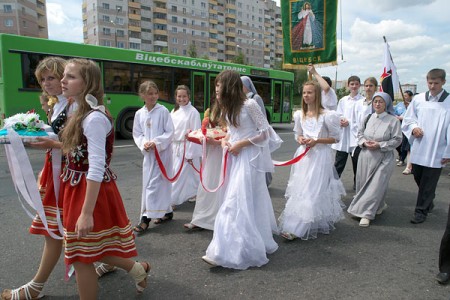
(35,286)
(191,226)
(140,274)
(103,269)
(289,236)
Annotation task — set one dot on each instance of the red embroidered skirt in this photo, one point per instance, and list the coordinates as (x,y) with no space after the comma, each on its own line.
(47,191)
(112,234)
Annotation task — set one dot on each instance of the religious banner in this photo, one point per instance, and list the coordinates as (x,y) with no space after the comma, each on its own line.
(309,32)
(389,82)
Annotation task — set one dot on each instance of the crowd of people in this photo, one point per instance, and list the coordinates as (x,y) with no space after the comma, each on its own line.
(87,218)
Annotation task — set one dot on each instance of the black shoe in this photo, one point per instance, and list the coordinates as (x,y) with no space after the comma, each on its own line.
(443,278)
(418,218)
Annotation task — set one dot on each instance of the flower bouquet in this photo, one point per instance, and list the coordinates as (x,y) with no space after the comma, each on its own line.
(27,125)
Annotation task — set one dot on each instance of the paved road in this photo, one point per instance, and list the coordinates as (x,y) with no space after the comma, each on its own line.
(391,259)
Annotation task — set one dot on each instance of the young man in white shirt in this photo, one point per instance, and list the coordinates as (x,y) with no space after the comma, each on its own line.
(426,124)
(348,144)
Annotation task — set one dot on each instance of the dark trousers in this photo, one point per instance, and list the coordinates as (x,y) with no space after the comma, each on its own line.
(341,160)
(404,148)
(444,250)
(426,179)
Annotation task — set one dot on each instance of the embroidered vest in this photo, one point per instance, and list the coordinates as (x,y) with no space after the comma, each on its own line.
(77,162)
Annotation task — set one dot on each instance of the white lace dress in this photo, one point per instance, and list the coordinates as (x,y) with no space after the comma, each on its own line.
(314,189)
(245,222)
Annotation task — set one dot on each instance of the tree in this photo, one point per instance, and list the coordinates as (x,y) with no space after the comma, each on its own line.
(342,92)
(239,59)
(192,51)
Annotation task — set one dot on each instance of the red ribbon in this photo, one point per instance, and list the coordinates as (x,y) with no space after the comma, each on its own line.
(223,167)
(163,169)
(292,161)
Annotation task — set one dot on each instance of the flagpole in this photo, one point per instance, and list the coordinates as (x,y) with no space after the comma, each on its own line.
(399,85)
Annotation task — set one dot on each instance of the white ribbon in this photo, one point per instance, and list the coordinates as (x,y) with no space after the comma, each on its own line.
(93,103)
(24,181)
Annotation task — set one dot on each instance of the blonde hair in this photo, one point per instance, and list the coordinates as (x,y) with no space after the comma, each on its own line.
(181,87)
(318,99)
(72,134)
(232,96)
(54,64)
(146,86)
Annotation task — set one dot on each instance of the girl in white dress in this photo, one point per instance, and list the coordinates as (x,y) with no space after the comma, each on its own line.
(245,222)
(153,129)
(314,189)
(185,118)
(207,203)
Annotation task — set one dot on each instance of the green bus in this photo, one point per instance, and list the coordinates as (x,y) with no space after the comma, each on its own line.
(123,71)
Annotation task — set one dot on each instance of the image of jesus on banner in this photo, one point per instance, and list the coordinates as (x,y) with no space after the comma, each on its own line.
(306,30)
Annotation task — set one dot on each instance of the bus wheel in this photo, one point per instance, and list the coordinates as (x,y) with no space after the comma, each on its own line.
(125,125)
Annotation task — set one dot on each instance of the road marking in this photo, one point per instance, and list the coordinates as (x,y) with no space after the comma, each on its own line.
(125,146)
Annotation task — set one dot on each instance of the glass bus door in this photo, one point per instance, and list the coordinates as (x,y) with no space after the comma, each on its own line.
(198,89)
(277,101)
(286,112)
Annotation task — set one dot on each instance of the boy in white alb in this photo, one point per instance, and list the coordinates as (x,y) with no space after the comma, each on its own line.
(347,143)
(426,124)
(153,131)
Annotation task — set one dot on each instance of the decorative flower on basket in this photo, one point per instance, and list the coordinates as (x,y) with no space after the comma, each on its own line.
(27,125)
(28,121)
(196,136)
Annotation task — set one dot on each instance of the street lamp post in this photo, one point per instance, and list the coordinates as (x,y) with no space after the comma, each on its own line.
(253,51)
(114,22)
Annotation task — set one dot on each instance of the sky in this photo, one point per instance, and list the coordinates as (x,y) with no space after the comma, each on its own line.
(418,32)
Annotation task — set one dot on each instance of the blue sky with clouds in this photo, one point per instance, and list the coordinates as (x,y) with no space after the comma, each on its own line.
(418,32)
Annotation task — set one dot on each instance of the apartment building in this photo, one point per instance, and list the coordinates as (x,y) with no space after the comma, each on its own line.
(24,17)
(214,29)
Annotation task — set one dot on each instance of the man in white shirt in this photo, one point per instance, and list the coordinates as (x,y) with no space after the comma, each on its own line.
(348,144)
(426,124)
(329,98)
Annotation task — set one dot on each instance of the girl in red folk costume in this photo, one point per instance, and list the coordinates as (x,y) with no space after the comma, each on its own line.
(48,73)
(96,226)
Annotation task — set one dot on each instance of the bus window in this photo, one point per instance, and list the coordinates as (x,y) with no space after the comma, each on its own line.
(263,89)
(117,77)
(181,77)
(162,76)
(29,64)
(277,98)
(199,92)
(212,91)
(287,98)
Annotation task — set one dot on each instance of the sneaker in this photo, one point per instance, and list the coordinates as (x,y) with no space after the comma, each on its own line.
(406,171)
(401,163)
(364,222)
(418,218)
